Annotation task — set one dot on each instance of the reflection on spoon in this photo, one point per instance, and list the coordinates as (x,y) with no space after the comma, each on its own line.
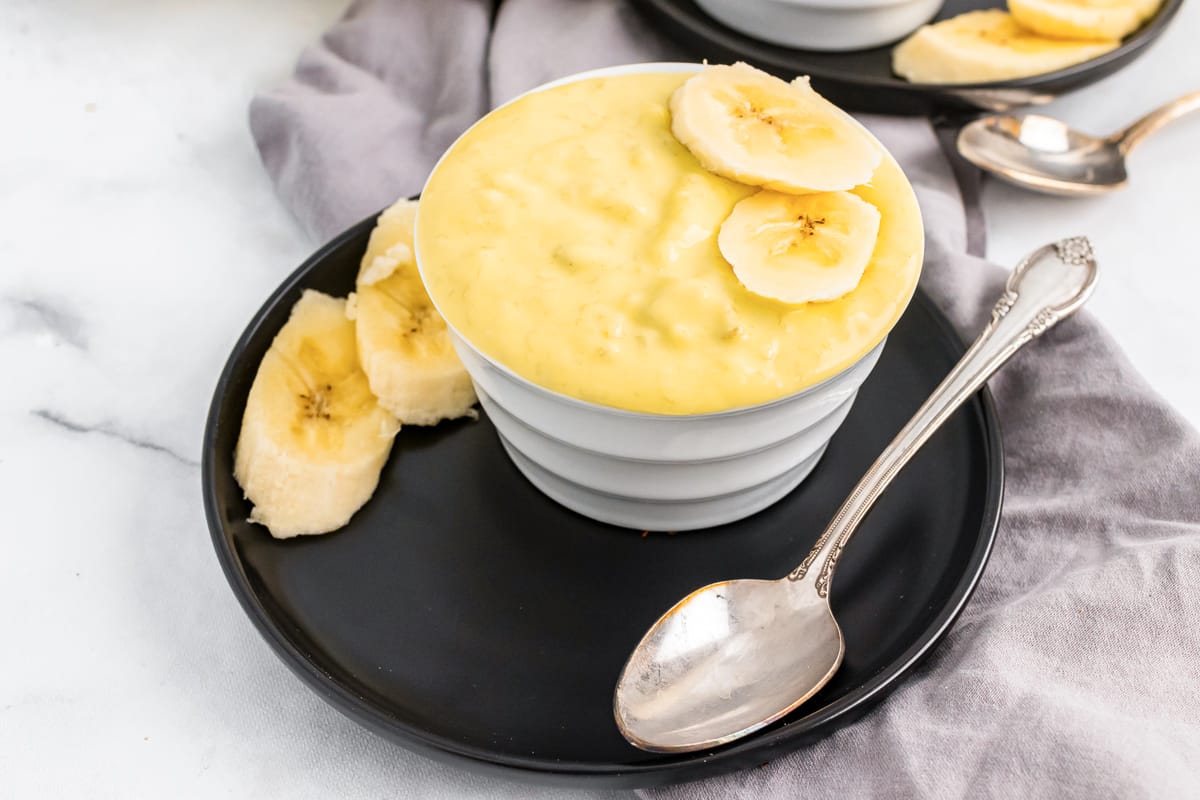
(1045,155)
(734,656)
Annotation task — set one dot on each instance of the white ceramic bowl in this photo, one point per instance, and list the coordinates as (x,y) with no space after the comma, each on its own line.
(829,25)
(658,472)
(653,471)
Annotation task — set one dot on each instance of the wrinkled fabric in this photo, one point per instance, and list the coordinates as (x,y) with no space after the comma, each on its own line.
(1075,669)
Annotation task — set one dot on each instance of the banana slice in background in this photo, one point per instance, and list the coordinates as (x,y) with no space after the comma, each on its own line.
(403,344)
(313,437)
(1083,19)
(983,46)
(754,128)
(800,248)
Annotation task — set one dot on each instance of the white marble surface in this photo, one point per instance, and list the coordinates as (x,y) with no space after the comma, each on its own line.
(138,233)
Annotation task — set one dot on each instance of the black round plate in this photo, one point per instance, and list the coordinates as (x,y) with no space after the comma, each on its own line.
(465,616)
(863,79)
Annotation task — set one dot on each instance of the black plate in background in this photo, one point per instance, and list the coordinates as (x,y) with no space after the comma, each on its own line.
(465,616)
(863,80)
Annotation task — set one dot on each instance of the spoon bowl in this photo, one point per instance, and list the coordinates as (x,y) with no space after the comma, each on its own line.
(701,677)
(1043,154)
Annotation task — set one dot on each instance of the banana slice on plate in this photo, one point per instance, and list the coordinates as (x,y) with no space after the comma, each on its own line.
(1083,19)
(403,344)
(800,248)
(754,128)
(984,46)
(313,437)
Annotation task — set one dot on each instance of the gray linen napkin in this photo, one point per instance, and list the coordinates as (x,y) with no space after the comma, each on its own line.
(1075,670)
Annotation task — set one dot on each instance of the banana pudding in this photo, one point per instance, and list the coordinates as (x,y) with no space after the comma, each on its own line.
(669,242)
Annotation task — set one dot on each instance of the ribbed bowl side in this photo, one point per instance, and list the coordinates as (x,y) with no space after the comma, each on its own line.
(657,472)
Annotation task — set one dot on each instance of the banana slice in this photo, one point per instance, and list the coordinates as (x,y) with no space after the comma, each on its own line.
(403,344)
(984,46)
(1083,19)
(313,438)
(800,248)
(751,127)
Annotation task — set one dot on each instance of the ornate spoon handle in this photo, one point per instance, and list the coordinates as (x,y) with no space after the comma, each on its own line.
(1047,286)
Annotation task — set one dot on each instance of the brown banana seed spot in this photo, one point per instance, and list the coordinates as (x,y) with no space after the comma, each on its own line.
(808,225)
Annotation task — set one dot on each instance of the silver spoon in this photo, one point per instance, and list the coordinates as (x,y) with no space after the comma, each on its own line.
(1045,155)
(734,656)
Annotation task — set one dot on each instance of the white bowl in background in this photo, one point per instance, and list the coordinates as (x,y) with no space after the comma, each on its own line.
(657,471)
(827,25)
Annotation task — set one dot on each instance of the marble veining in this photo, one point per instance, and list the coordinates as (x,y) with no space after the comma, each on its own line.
(112,432)
(36,314)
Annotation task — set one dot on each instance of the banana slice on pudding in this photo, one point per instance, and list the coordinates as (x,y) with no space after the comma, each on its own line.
(754,128)
(1083,19)
(800,248)
(403,344)
(984,46)
(313,437)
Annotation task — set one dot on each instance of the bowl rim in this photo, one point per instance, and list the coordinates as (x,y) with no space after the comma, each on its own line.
(650,67)
(589,406)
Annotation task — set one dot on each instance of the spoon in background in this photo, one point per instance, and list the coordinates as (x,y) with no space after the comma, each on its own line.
(734,656)
(1045,155)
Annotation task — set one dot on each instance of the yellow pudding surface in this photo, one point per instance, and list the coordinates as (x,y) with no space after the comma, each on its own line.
(569,237)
